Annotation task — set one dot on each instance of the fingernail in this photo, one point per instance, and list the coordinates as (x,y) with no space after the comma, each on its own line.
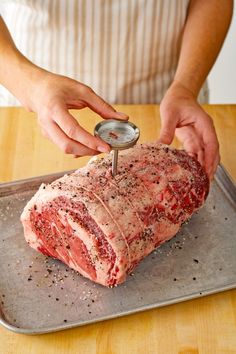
(103,149)
(123,115)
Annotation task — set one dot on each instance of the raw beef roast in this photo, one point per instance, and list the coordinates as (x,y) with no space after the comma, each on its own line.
(102,226)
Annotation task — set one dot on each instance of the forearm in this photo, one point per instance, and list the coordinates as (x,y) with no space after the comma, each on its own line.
(204,33)
(16,71)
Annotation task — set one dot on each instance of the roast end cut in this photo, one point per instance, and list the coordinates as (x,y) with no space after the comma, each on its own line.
(103,226)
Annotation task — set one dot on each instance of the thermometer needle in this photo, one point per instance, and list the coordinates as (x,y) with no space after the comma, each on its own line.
(114,162)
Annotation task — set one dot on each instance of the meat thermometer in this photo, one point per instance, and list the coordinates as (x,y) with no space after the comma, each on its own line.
(120,135)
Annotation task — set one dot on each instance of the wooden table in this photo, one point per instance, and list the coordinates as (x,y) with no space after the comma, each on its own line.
(205,325)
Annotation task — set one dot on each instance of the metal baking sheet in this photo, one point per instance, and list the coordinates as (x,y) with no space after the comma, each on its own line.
(39,294)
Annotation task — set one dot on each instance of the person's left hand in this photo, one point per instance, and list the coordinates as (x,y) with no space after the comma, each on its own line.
(182,116)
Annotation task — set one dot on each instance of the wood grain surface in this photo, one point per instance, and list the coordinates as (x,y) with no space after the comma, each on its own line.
(205,325)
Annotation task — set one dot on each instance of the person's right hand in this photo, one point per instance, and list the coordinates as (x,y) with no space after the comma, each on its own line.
(51,97)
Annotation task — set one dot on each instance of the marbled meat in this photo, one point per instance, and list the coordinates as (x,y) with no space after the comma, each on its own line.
(103,226)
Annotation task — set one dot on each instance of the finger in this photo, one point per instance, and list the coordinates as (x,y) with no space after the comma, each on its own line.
(98,105)
(214,168)
(95,153)
(74,131)
(201,156)
(211,170)
(192,143)
(216,164)
(210,144)
(67,145)
(190,139)
(212,156)
(167,132)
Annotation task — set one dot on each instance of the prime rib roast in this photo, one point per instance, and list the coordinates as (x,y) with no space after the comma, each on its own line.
(103,226)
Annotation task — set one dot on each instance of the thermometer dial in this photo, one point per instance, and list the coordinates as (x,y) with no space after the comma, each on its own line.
(118,134)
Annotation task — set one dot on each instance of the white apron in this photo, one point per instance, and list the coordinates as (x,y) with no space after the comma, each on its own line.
(125,50)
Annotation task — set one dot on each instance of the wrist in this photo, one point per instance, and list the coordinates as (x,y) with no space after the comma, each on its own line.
(175,97)
(33,76)
(179,89)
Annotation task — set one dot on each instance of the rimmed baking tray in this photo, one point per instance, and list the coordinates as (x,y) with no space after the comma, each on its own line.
(39,294)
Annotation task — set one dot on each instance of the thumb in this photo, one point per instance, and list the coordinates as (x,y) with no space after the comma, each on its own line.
(98,105)
(167,132)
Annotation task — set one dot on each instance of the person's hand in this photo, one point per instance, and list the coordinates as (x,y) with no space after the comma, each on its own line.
(51,97)
(183,116)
